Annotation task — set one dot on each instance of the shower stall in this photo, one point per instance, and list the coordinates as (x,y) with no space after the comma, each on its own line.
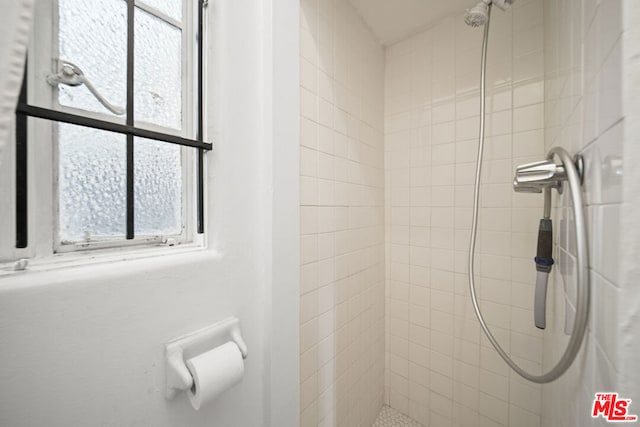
(429,287)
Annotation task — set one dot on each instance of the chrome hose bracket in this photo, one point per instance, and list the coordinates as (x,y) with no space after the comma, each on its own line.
(537,176)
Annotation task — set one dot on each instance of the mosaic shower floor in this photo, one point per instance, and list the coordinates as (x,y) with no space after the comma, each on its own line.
(389,417)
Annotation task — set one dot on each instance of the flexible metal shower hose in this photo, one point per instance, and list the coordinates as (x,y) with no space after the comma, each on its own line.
(582,297)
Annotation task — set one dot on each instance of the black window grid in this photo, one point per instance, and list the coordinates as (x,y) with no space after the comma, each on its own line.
(24,110)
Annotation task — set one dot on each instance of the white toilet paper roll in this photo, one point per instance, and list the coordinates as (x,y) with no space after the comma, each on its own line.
(214,372)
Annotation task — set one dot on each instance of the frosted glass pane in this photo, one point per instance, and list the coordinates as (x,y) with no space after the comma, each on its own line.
(92,183)
(172,8)
(158,188)
(93,35)
(158,71)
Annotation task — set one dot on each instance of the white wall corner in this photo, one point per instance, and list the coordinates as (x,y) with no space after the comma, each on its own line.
(629,344)
(281,79)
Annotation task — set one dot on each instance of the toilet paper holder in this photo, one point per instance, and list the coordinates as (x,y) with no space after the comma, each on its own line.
(179,350)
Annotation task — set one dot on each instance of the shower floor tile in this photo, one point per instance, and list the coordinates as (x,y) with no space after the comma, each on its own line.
(389,417)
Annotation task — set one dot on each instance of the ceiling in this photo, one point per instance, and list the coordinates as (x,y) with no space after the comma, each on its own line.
(394,20)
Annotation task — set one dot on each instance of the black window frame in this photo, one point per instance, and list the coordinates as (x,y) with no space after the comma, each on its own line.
(24,110)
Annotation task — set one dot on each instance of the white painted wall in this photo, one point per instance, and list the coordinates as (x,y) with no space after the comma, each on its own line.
(83,345)
(591,50)
(629,344)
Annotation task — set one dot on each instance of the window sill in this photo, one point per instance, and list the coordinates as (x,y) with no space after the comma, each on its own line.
(62,261)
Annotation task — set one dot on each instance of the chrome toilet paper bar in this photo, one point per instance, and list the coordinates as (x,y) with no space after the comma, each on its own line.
(181,349)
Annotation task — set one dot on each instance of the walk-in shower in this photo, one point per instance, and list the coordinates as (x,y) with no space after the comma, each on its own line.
(536,177)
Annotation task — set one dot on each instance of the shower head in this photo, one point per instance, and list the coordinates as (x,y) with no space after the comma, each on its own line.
(479,14)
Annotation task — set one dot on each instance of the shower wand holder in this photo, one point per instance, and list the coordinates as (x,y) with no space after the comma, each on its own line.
(537,176)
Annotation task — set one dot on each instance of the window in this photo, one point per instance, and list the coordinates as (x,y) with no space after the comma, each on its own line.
(109,129)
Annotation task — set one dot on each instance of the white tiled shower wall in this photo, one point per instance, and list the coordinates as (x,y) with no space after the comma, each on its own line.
(555,77)
(586,56)
(440,369)
(342,217)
